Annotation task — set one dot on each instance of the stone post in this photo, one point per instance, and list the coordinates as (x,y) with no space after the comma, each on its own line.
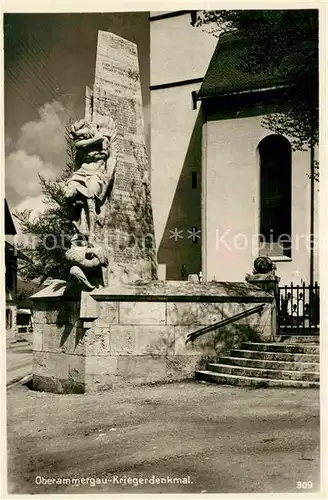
(265,278)
(268,282)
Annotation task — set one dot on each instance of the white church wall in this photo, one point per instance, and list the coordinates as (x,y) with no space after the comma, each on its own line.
(172,124)
(178,53)
(231,203)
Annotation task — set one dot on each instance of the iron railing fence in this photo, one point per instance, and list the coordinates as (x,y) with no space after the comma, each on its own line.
(299,308)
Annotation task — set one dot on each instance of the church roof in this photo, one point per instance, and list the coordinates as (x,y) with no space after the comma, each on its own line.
(224,75)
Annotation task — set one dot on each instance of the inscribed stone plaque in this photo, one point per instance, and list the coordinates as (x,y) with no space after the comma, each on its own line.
(127,219)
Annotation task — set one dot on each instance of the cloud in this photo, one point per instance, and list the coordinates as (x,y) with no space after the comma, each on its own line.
(46,136)
(22,175)
(39,148)
(35,204)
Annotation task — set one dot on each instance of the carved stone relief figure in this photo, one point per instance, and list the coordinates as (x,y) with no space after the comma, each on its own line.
(89,186)
(85,192)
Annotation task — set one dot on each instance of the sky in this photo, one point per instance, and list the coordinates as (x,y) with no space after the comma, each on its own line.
(49,60)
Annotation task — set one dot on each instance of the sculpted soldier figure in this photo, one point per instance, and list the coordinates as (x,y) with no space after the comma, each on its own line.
(86,191)
(89,186)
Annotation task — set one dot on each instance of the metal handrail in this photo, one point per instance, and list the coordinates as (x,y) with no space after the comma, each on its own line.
(193,335)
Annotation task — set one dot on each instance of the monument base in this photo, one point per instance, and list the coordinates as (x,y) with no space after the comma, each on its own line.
(136,334)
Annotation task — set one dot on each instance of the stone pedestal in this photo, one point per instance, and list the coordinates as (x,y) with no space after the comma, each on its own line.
(136,334)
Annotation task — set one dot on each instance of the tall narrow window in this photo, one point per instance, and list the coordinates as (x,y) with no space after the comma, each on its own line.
(194,180)
(275,196)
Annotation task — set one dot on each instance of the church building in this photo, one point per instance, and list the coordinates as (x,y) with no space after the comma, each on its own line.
(225,189)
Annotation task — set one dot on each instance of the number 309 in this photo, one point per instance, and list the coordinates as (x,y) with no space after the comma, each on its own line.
(304,485)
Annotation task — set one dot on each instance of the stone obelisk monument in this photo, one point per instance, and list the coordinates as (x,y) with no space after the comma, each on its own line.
(125,225)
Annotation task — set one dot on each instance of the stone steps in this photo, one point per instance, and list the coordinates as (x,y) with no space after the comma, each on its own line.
(283,347)
(276,356)
(263,372)
(298,339)
(276,364)
(227,379)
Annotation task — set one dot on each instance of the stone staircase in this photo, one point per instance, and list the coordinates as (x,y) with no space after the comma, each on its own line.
(292,362)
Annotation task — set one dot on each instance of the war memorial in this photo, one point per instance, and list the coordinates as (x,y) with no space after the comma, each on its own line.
(115,322)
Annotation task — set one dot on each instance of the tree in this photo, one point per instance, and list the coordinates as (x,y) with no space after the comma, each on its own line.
(48,235)
(24,294)
(283,43)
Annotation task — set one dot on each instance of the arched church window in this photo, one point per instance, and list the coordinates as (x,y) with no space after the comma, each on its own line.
(275,196)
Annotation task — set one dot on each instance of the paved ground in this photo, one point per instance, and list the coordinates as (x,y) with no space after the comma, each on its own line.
(19,360)
(227,439)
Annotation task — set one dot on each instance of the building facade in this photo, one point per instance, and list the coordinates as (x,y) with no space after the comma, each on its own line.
(12,254)
(225,189)
(11,274)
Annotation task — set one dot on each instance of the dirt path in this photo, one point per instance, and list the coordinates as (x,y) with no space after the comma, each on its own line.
(221,439)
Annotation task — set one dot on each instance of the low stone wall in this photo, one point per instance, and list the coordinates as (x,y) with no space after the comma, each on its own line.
(137,334)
